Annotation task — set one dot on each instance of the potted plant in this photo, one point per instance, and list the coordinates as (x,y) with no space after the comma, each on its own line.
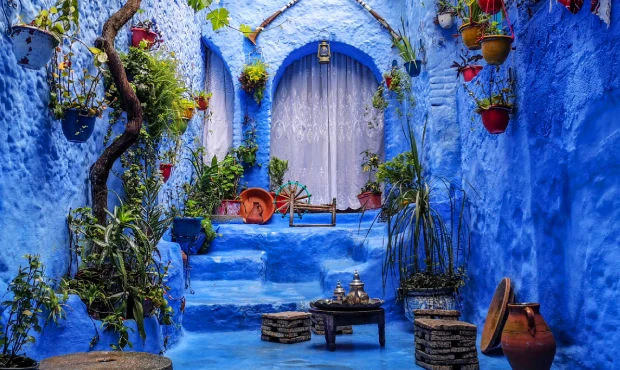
(412,65)
(246,152)
(370,196)
(73,98)
(34,43)
(496,43)
(491,6)
(495,109)
(473,23)
(468,67)
(387,77)
(445,14)
(188,107)
(145,30)
(228,177)
(31,295)
(202,100)
(426,232)
(277,168)
(168,160)
(254,78)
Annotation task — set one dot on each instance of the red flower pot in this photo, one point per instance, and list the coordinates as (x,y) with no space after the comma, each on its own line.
(202,104)
(369,200)
(495,119)
(280,202)
(388,82)
(470,72)
(139,34)
(166,170)
(229,208)
(490,6)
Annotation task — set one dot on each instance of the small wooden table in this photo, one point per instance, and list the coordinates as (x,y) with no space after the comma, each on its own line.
(333,319)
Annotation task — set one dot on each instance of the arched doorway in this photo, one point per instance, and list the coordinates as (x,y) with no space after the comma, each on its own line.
(320,124)
(218,133)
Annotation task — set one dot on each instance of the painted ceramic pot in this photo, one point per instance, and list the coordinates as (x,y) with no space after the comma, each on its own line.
(139,34)
(186,227)
(495,118)
(76,127)
(188,113)
(369,200)
(229,208)
(202,104)
(413,68)
(166,171)
(33,47)
(490,6)
(496,48)
(470,34)
(470,72)
(446,20)
(527,340)
(428,299)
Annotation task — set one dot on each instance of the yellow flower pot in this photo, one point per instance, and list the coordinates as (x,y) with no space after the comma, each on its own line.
(188,113)
(471,33)
(496,48)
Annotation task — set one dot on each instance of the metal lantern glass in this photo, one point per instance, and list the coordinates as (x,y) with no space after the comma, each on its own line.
(325,53)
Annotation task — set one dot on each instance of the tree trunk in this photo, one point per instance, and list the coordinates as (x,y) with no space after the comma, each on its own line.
(100,170)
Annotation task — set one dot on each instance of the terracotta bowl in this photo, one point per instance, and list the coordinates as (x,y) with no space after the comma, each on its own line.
(261,196)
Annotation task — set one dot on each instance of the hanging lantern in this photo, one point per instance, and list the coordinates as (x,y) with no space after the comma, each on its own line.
(325,53)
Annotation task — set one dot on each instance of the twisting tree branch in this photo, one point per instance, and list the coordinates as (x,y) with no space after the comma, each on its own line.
(100,170)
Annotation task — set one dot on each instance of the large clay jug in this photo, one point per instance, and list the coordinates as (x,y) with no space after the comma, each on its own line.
(527,340)
(256,215)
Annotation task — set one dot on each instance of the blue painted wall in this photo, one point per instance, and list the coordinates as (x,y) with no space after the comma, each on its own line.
(547,211)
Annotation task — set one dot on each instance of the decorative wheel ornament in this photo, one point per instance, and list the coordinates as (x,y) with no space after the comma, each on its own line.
(295,192)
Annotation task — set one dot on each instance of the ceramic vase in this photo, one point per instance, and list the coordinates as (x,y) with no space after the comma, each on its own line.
(527,340)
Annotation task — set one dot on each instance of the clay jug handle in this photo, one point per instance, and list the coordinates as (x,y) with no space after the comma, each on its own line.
(260,209)
(530,321)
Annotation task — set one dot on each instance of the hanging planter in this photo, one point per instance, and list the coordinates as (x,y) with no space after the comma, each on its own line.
(166,170)
(189,108)
(254,78)
(490,6)
(496,48)
(202,101)
(414,68)
(388,82)
(446,19)
(188,113)
(470,72)
(145,31)
(495,118)
(77,127)
(33,47)
(471,34)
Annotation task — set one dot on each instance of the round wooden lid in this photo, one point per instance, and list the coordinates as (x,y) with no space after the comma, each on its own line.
(496,317)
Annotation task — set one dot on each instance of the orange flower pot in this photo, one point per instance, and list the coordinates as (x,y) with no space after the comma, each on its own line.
(496,48)
(470,34)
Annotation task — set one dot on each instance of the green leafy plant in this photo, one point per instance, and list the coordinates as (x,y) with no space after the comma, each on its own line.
(493,28)
(62,19)
(400,87)
(445,6)
(229,176)
(469,12)
(406,50)
(370,165)
(426,244)
(500,91)
(203,95)
(33,304)
(254,79)
(70,89)
(277,169)
(246,152)
(159,87)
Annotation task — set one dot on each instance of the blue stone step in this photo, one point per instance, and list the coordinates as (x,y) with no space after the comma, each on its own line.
(237,305)
(229,265)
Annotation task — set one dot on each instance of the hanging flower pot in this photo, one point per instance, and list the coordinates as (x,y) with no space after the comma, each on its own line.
(414,68)
(388,81)
(446,20)
(33,47)
(202,104)
(471,34)
(495,118)
(140,34)
(490,6)
(496,48)
(166,171)
(188,113)
(470,72)
(186,227)
(77,127)
(229,208)
(369,201)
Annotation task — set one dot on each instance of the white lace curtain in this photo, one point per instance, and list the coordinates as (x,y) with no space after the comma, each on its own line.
(320,125)
(218,133)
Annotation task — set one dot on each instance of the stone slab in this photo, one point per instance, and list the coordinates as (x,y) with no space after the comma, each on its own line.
(446,325)
(436,313)
(286,324)
(419,355)
(298,329)
(300,339)
(287,316)
(284,335)
(447,367)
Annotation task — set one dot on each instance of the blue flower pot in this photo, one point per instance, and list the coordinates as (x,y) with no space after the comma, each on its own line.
(32,47)
(186,227)
(414,69)
(76,127)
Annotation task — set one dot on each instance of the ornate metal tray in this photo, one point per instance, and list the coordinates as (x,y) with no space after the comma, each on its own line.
(328,304)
